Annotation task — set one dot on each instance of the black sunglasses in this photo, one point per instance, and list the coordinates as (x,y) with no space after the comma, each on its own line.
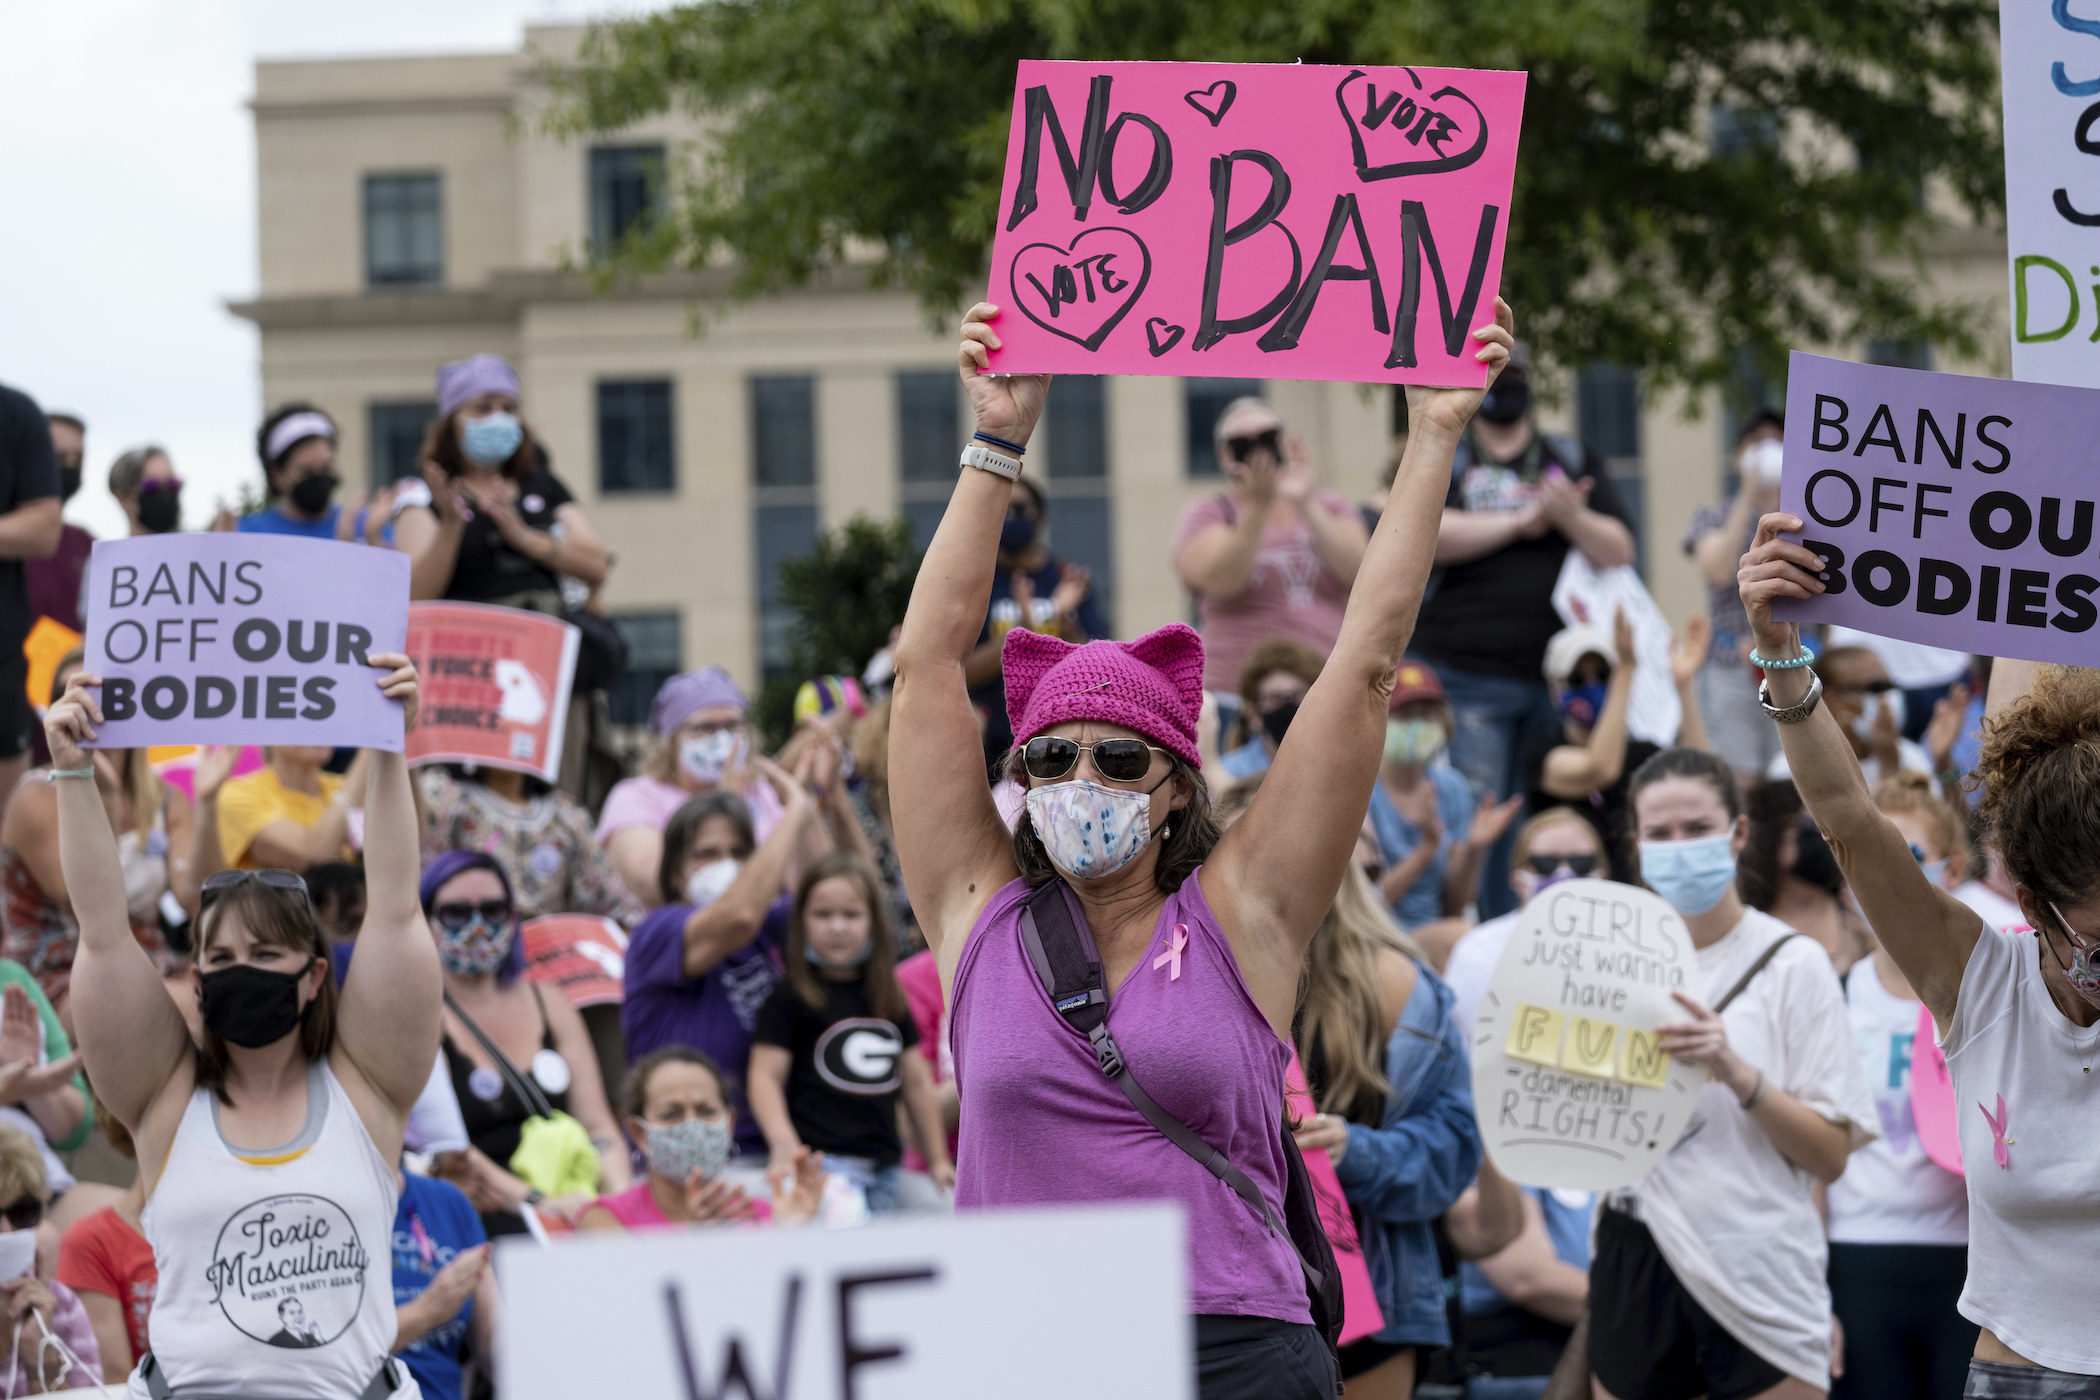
(1548,865)
(23,1213)
(1118,760)
(453,914)
(1269,440)
(217,884)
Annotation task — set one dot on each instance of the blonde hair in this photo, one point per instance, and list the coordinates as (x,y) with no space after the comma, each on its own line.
(21,1167)
(1341,1014)
(871,745)
(1907,790)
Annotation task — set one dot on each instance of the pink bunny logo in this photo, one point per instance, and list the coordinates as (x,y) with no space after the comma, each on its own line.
(1999,1141)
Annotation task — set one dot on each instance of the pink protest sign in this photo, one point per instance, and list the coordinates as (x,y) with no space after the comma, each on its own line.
(1932,1096)
(229,638)
(1285,221)
(1361,1315)
(1954,511)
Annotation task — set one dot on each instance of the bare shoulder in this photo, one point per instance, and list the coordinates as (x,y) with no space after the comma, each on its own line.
(1397,975)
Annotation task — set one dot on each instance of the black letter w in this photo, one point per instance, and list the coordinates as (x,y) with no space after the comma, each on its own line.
(736,1376)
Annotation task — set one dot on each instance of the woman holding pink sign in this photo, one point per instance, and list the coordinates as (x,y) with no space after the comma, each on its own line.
(2019,1021)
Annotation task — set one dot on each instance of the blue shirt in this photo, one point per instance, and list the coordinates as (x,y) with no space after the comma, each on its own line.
(273,521)
(432,1225)
(1248,760)
(1423,901)
(1567,1226)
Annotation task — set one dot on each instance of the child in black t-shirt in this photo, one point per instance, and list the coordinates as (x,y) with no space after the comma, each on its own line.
(833,1045)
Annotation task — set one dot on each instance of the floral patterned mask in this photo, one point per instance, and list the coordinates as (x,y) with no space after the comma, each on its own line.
(1088,830)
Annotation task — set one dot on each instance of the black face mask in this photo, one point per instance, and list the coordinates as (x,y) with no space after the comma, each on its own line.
(1275,722)
(249,1006)
(312,494)
(69,482)
(160,511)
(1506,400)
(1813,861)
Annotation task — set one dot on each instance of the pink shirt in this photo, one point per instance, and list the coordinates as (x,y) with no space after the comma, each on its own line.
(649,801)
(1290,594)
(636,1208)
(920,977)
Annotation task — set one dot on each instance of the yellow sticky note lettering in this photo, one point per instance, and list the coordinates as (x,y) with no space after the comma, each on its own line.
(1641,1060)
(1588,1047)
(1534,1035)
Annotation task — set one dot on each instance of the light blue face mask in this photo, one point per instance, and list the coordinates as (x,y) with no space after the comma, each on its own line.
(491,441)
(1691,876)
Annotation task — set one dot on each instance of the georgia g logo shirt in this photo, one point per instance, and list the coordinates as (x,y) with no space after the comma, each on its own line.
(859,1055)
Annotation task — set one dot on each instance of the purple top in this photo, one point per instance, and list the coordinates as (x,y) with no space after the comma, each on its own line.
(1041,1125)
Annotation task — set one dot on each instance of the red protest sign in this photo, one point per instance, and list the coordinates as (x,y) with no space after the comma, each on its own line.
(495,686)
(583,954)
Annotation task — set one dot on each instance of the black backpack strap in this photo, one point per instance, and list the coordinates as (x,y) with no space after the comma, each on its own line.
(1755,968)
(1061,946)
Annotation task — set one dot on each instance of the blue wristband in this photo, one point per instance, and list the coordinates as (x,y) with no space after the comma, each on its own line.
(1012,448)
(1806,658)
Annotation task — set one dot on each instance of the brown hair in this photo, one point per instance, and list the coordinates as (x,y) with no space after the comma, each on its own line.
(685,823)
(878,975)
(2040,776)
(441,445)
(1192,832)
(1907,790)
(634,1089)
(283,918)
(1775,808)
(1277,654)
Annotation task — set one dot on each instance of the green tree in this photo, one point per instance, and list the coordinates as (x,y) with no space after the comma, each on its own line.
(1635,237)
(847,593)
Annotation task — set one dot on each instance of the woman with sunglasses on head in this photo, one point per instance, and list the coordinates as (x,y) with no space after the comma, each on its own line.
(1201,937)
(268,1146)
(1268,556)
(2019,1021)
(502,1028)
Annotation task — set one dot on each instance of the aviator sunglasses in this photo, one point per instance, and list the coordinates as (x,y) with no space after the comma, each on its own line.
(217,884)
(1269,440)
(23,1213)
(456,914)
(1118,760)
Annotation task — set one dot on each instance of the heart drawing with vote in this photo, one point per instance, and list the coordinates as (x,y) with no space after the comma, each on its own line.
(1401,132)
(1081,292)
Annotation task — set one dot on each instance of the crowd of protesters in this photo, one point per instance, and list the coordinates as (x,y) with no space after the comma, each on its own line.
(1298,834)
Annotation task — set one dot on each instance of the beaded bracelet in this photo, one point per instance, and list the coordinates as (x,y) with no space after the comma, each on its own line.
(1806,658)
(1012,448)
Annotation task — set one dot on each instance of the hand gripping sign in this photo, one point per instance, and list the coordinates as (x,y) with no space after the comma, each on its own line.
(229,638)
(495,686)
(1569,1084)
(1285,221)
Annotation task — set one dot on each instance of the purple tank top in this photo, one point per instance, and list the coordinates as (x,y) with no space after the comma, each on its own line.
(1041,1125)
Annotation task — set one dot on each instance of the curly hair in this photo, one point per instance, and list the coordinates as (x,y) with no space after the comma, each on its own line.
(2040,777)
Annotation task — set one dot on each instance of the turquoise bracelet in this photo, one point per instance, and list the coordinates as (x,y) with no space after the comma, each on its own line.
(1806,658)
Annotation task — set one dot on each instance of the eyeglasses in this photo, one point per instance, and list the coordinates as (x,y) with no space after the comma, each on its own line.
(454,914)
(1577,866)
(1118,760)
(1269,440)
(23,1213)
(217,884)
(1880,685)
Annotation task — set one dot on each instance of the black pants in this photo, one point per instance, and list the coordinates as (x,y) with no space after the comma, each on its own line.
(1260,1358)
(1903,1338)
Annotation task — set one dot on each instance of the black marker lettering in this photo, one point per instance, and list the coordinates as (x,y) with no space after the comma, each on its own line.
(1417,243)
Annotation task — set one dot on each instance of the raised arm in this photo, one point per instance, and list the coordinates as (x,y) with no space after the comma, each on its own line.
(388,1025)
(132,1036)
(1218,560)
(713,933)
(1465,535)
(1577,770)
(1927,931)
(954,848)
(1275,871)
(431,535)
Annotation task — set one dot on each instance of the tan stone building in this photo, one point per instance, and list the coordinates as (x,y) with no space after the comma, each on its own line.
(412,213)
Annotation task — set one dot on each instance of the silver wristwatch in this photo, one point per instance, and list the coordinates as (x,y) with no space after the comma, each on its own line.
(1791,714)
(985,459)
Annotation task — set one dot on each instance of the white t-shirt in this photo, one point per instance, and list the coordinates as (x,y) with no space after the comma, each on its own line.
(1992,907)
(1892,1192)
(2034,1179)
(1912,665)
(1472,963)
(1909,757)
(1735,1219)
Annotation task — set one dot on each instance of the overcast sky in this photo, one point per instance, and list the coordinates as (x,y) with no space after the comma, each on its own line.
(130,169)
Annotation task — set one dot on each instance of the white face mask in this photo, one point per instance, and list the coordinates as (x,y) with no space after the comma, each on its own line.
(706,758)
(1761,462)
(710,882)
(1088,830)
(1863,722)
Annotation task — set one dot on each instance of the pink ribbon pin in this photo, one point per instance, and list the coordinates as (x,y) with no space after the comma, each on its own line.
(1171,959)
(1999,1142)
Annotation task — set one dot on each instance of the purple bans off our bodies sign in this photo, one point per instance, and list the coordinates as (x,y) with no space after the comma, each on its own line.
(244,639)
(1954,511)
(1280,221)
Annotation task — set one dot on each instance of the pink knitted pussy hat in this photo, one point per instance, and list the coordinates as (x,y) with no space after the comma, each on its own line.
(1153,685)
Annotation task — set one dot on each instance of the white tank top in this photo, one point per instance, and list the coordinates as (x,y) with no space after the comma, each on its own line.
(1892,1192)
(2027,1091)
(275,1267)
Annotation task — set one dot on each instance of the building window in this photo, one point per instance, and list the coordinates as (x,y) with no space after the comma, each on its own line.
(929,439)
(397,431)
(783,430)
(1608,416)
(1075,479)
(1075,422)
(626,192)
(784,532)
(1900,354)
(1205,400)
(404,231)
(635,451)
(654,655)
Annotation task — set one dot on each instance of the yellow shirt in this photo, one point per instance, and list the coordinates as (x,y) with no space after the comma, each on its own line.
(248,804)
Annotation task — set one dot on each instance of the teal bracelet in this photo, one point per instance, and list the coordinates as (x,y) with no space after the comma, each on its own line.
(1806,658)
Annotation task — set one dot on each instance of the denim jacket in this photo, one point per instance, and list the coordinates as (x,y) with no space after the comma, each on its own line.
(1407,1171)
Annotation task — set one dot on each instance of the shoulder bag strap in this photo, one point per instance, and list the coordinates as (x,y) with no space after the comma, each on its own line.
(1755,968)
(528,1092)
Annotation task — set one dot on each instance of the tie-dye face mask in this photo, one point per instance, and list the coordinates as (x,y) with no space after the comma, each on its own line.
(1088,830)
